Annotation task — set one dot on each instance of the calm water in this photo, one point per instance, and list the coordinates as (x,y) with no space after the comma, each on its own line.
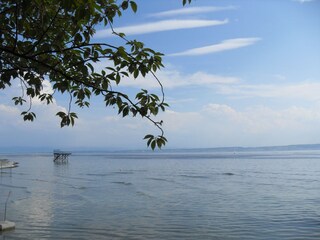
(172,195)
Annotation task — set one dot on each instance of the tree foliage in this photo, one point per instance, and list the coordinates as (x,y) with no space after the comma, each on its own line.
(52,39)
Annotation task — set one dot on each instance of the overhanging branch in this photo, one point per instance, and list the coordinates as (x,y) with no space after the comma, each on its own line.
(70,78)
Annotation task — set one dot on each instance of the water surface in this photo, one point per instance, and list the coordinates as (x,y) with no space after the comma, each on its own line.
(168,195)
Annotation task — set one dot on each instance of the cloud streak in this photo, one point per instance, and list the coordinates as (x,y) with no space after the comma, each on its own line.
(174,79)
(160,26)
(303,1)
(304,90)
(191,10)
(225,45)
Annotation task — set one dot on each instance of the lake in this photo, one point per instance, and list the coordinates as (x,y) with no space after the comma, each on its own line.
(199,194)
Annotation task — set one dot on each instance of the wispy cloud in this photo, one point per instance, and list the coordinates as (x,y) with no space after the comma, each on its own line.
(191,10)
(160,26)
(174,79)
(223,46)
(5,109)
(303,1)
(304,91)
(279,77)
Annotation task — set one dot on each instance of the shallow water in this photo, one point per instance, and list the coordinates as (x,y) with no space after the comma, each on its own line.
(168,195)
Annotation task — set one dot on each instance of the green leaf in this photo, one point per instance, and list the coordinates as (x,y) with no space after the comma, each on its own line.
(153,144)
(148,136)
(136,73)
(124,5)
(55,43)
(78,38)
(134,6)
(149,141)
(61,114)
(159,143)
(28,116)
(184,2)
(125,111)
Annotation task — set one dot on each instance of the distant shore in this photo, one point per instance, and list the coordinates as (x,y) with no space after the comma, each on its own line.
(7,151)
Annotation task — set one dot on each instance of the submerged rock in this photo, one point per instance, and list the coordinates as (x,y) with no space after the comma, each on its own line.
(228,174)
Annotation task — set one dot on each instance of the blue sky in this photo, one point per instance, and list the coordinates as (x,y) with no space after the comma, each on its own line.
(237,73)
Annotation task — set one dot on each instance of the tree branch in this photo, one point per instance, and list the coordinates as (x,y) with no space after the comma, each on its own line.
(44,33)
(161,86)
(153,74)
(62,49)
(75,47)
(6,10)
(69,77)
(16,33)
(70,102)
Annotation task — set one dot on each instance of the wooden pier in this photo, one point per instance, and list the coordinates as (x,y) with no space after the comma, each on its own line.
(60,156)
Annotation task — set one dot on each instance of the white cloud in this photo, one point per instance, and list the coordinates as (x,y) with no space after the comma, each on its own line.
(47,87)
(180,122)
(279,77)
(303,90)
(229,86)
(223,46)
(303,1)
(223,125)
(4,109)
(213,125)
(160,26)
(262,119)
(191,10)
(10,117)
(45,114)
(174,79)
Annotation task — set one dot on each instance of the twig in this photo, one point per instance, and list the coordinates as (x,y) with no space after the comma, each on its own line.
(16,37)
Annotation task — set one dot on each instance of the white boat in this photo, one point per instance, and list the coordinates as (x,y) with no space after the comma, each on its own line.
(4,163)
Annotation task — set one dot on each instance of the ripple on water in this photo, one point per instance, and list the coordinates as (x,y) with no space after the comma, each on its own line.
(225,199)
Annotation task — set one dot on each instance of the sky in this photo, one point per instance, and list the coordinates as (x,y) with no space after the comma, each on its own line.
(237,73)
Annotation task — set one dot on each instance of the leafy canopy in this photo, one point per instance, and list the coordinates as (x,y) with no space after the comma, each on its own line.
(52,39)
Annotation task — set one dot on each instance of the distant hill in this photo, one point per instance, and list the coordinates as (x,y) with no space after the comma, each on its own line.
(297,147)
(48,150)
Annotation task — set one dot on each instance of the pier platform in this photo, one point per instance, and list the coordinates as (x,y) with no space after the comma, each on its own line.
(60,156)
